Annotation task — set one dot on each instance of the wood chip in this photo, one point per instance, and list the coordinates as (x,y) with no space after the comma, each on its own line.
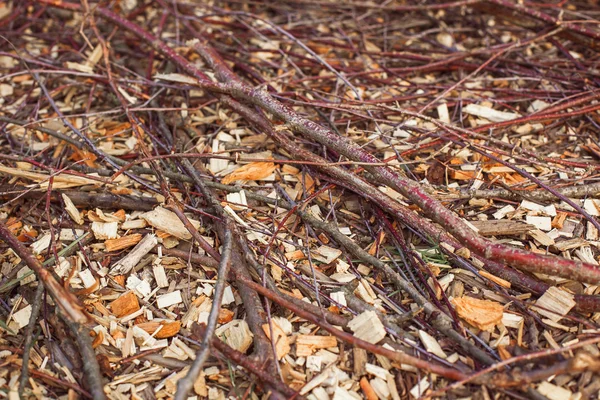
(502,227)
(161,329)
(60,181)
(541,223)
(555,303)
(236,334)
(483,314)
(169,299)
(367,390)
(431,344)
(489,113)
(496,279)
(125,305)
(553,392)
(127,263)
(541,237)
(280,339)
(105,230)
(250,172)
(307,344)
(22,316)
(123,242)
(167,221)
(72,210)
(368,327)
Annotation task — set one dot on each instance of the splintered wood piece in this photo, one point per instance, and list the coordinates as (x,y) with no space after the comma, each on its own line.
(367,390)
(483,314)
(329,253)
(160,276)
(161,329)
(105,230)
(489,113)
(236,334)
(61,181)
(431,344)
(169,299)
(496,279)
(282,343)
(123,242)
(167,221)
(502,227)
(555,303)
(254,171)
(307,344)
(125,305)
(72,210)
(570,244)
(541,237)
(360,361)
(554,392)
(126,264)
(368,327)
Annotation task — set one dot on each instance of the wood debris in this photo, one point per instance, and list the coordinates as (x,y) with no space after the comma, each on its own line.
(555,303)
(367,326)
(379,200)
(483,314)
(167,221)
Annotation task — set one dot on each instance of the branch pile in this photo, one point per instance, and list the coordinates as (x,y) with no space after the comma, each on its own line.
(305,199)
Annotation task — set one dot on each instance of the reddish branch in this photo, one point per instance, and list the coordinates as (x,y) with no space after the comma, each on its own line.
(522,259)
(67,303)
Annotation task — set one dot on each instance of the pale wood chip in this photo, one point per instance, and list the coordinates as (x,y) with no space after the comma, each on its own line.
(489,113)
(368,327)
(282,342)
(431,344)
(307,344)
(169,299)
(126,264)
(555,303)
(72,210)
(502,227)
(236,334)
(167,221)
(105,230)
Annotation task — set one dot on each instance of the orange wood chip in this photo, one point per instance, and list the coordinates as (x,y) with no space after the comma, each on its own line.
(122,242)
(251,172)
(225,316)
(483,314)
(367,389)
(282,342)
(169,328)
(125,305)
